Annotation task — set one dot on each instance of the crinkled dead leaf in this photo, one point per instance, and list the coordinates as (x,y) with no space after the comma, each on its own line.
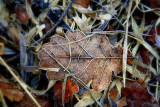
(144,55)
(83,3)
(21,13)
(10,91)
(137,95)
(70,88)
(87,58)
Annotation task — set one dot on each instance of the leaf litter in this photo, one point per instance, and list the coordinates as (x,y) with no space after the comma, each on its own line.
(79,53)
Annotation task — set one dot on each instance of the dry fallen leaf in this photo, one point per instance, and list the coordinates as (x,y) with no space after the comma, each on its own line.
(21,13)
(11,91)
(145,57)
(70,88)
(136,95)
(83,3)
(87,58)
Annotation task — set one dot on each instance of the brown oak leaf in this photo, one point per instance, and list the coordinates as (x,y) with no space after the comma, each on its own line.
(87,58)
(71,88)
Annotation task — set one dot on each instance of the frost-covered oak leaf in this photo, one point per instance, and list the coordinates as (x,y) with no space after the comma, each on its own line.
(87,58)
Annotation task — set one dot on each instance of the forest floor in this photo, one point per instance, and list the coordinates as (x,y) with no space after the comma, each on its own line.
(79,53)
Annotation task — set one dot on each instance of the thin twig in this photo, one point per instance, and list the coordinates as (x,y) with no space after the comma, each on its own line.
(157,83)
(74,57)
(64,88)
(125,46)
(3,102)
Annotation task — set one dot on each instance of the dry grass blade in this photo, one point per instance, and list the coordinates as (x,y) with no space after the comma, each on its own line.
(125,46)
(157,83)
(2,100)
